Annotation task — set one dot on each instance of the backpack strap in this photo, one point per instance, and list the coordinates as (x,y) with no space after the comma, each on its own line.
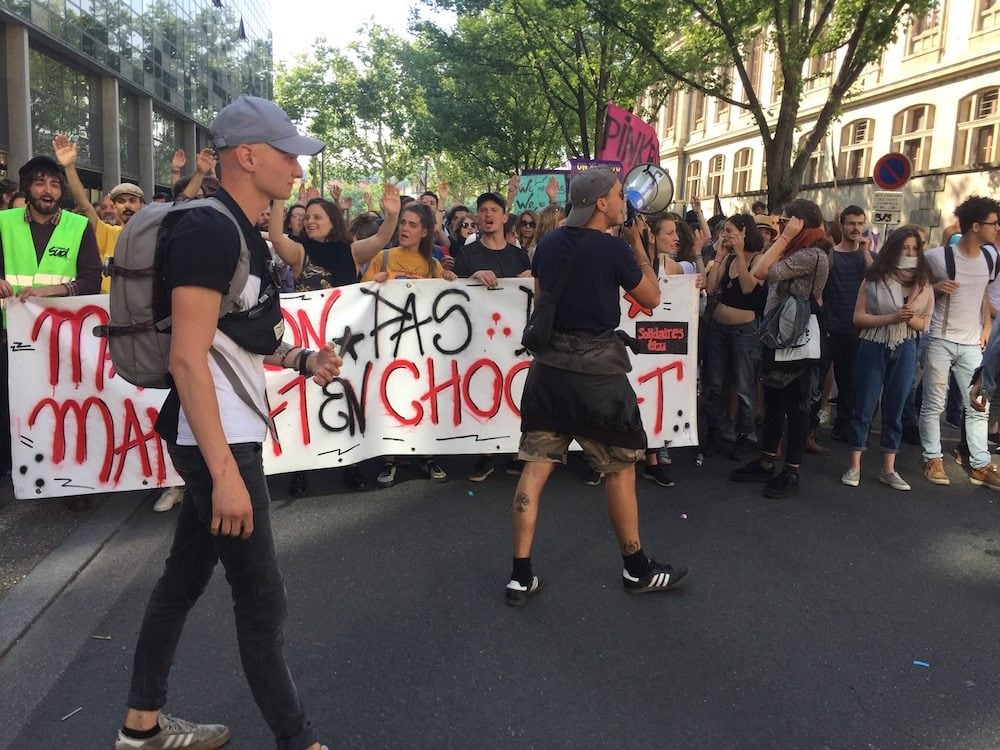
(988,254)
(949,261)
(231,300)
(385,261)
(230,303)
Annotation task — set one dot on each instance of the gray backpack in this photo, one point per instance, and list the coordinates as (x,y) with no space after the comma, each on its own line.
(783,325)
(139,343)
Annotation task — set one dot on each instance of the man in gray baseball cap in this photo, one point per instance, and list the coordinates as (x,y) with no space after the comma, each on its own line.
(214,425)
(584,191)
(577,387)
(251,119)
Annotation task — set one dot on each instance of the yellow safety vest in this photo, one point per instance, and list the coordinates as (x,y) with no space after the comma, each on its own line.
(58,265)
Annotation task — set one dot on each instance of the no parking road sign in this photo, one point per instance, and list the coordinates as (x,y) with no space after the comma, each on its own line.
(892,171)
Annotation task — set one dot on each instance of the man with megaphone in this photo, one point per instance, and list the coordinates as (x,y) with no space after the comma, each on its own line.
(577,386)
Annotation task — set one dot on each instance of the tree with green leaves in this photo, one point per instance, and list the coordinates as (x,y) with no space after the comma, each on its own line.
(487,118)
(364,106)
(704,45)
(557,57)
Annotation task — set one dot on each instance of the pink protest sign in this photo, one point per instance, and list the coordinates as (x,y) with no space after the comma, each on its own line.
(628,140)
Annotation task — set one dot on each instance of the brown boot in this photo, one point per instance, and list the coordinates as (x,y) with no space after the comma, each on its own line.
(813,447)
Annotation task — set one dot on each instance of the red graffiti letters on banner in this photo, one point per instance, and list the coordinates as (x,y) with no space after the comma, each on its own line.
(76,319)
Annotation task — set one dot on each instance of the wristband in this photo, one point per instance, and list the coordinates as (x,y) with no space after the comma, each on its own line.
(302,361)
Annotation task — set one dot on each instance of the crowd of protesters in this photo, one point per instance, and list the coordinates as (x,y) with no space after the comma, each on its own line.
(897,323)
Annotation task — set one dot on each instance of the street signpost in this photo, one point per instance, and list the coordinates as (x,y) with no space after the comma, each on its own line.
(892,171)
(887,208)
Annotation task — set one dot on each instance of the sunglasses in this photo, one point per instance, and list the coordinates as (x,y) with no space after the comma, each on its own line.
(527,223)
(468,225)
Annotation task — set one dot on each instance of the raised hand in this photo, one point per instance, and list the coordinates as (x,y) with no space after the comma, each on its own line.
(65,150)
(552,189)
(179,160)
(205,161)
(389,203)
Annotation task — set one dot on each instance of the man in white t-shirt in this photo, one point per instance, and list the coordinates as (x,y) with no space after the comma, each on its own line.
(960,328)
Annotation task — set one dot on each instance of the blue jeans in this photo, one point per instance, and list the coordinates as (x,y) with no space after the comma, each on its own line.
(258,592)
(961,360)
(879,369)
(732,351)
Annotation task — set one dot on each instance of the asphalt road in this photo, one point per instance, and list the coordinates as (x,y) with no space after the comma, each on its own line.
(841,618)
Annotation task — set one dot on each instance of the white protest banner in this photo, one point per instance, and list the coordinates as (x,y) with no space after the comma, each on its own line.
(430,367)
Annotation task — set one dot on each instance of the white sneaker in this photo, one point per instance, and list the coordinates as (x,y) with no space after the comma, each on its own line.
(171,496)
(852,478)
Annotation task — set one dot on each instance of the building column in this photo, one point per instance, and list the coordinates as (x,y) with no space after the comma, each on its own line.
(189,142)
(146,162)
(111,137)
(18,96)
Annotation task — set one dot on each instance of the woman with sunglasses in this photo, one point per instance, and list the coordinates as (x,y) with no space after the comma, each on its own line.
(795,264)
(463,227)
(526,224)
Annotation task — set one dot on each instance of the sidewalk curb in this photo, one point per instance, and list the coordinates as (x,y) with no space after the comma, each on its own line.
(26,602)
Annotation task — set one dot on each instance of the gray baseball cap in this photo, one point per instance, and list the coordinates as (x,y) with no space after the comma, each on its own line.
(584,191)
(251,119)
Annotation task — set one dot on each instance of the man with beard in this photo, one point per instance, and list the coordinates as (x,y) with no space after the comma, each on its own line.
(46,252)
(577,387)
(127,198)
(849,262)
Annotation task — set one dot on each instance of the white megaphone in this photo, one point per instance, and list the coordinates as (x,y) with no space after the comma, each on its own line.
(648,190)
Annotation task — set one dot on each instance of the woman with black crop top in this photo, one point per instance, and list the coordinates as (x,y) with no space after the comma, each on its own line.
(326,257)
(732,349)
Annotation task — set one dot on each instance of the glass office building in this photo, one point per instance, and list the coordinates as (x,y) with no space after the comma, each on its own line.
(130,81)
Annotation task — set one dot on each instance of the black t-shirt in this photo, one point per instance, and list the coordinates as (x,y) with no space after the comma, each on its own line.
(328,264)
(590,303)
(507,263)
(203,250)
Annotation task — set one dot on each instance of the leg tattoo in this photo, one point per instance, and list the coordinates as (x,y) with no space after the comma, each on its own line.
(521,502)
(630,548)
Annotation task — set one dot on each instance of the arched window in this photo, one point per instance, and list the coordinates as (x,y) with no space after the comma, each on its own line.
(716,171)
(856,150)
(692,180)
(924,33)
(911,134)
(976,143)
(814,167)
(742,167)
(987,14)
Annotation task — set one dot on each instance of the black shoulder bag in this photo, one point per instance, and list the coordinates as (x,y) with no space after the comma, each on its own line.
(538,329)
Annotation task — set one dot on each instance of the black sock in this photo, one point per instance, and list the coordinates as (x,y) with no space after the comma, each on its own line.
(637,564)
(138,734)
(522,571)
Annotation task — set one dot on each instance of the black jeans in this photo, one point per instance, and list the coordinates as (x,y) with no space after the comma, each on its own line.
(258,591)
(789,403)
(843,354)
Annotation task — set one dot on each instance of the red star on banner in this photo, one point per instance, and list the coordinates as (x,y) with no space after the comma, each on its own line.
(635,308)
